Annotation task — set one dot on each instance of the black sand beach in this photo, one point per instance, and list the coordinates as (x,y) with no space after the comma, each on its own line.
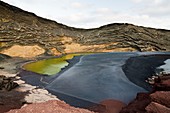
(139,68)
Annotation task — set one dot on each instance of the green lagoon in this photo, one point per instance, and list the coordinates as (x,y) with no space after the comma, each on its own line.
(51,66)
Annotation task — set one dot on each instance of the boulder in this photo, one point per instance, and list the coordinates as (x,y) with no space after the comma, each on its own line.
(154,107)
(138,105)
(112,106)
(52,106)
(161,97)
(163,84)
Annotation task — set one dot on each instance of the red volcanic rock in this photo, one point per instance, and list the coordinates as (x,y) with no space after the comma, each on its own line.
(163,84)
(161,97)
(52,106)
(154,107)
(138,105)
(156,102)
(112,106)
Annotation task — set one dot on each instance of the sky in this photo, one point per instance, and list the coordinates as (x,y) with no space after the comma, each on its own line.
(96,13)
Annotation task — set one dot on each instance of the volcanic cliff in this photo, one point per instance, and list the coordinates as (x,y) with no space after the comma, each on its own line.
(21,29)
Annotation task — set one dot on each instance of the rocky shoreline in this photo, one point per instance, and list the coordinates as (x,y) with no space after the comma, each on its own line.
(21,96)
(26,97)
(157,101)
(15,93)
(15,99)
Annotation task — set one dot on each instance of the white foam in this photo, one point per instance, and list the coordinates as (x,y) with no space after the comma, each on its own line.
(166,66)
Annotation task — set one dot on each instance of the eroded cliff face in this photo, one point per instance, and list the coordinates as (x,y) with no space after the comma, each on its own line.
(21,28)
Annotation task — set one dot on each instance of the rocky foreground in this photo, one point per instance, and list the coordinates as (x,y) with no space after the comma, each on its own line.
(26,98)
(16,96)
(157,101)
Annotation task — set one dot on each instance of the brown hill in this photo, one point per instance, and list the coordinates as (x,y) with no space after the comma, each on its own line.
(24,34)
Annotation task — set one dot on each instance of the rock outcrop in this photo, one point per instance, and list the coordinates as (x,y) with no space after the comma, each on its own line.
(154,107)
(50,107)
(112,106)
(11,100)
(157,101)
(138,105)
(24,51)
(7,81)
(22,28)
(14,93)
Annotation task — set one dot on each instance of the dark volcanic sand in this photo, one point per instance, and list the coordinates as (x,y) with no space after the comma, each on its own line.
(141,67)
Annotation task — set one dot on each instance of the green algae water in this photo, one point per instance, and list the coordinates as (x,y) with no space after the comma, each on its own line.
(51,66)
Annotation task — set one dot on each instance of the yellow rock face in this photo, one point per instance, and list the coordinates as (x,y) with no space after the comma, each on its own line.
(73,47)
(23,51)
(2,44)
(55,52)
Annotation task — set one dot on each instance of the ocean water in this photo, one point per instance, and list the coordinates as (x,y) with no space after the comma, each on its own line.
(166,66)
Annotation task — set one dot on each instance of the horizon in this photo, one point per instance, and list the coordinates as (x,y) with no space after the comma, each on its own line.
(89,14)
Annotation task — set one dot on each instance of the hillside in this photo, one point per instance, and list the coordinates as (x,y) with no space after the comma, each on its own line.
(22,31)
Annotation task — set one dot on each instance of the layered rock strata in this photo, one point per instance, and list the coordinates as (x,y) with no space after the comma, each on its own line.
(22,29)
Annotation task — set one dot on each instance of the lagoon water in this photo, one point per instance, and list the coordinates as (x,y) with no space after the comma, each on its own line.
(51,66)
(96,78)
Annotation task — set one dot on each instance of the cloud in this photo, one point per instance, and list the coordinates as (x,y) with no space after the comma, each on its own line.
(100,18)
(153,8)
(103,10)
(136,1)
(148,1)
(76,5)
